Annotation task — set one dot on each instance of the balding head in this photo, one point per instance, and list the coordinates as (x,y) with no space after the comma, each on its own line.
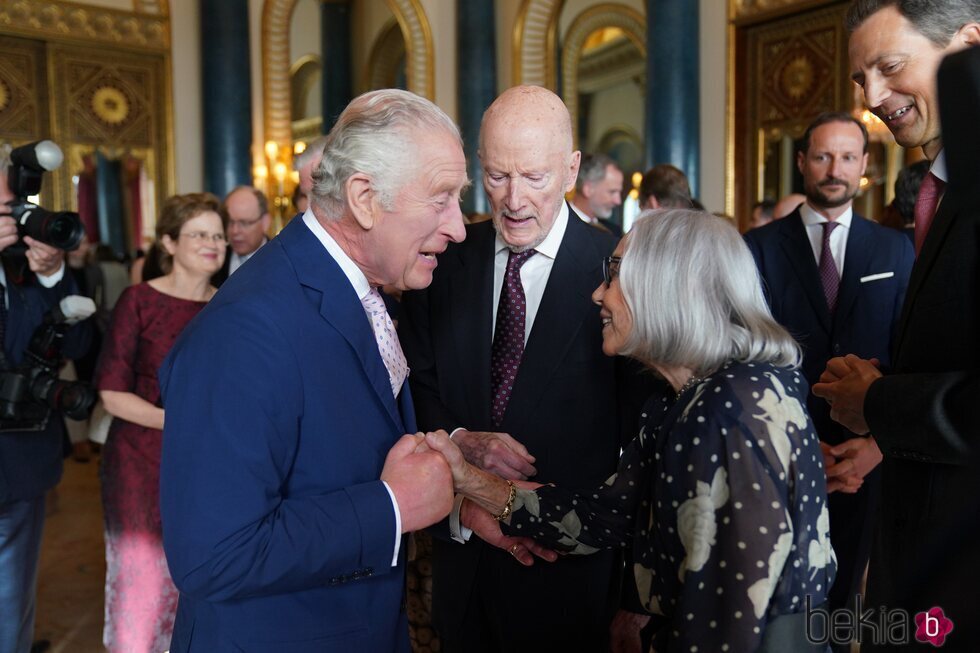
(528,163)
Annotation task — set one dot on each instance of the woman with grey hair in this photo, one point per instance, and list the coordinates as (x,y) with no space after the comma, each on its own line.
(722,496)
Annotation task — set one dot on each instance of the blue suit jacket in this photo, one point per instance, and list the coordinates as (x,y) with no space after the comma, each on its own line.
(867,311)
(279,415)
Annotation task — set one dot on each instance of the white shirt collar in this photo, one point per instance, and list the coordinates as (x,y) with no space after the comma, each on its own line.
(938,166)
(353,273)
(585,218)
(549,246)
(811,217)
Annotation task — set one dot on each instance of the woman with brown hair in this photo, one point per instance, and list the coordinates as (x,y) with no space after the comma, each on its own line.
(140,597)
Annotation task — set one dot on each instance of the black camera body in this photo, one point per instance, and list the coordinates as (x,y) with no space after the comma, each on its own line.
(32,391)
(61,229)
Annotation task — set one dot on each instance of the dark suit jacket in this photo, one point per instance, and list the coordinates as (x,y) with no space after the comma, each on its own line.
(926,415)
(30,462)
(564,408)
(863,325)
(221,275)
(280,414)
(866,311)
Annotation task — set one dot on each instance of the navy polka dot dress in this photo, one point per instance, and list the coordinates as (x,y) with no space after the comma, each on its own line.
(722,498)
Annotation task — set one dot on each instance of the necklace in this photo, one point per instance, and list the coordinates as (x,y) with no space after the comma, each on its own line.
(690,383)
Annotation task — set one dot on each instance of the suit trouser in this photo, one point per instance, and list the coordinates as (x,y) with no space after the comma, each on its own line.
(21,524)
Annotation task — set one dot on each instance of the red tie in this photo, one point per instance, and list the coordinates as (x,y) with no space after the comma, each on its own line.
(925,207)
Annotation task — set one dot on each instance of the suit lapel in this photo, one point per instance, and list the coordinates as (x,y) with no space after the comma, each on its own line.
(856,261)
(340,307)
(926,258)
(565,306)
(799,251)
(472,320)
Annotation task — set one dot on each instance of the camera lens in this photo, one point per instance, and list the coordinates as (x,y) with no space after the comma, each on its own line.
(62,229)
(73,399)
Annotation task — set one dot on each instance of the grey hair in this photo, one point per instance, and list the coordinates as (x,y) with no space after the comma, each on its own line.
(592,169)
(695,295)
(374,136)
(314,149)
(937,20)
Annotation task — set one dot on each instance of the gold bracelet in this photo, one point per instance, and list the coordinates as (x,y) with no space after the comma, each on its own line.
(505,513)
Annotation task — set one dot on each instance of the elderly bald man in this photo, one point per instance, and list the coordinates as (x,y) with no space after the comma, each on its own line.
(506,349)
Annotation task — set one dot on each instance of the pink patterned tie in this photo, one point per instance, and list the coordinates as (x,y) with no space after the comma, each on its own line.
(925,207)
(508,336)
(388,345)
(829,277)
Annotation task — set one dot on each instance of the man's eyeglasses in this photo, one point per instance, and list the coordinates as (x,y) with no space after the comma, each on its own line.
(243,224)
(610,268)
(204,235)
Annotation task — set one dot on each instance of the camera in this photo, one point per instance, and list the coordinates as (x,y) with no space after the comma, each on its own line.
(61,229)
(29,393)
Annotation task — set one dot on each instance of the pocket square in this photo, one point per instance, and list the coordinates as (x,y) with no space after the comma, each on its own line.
(876,277)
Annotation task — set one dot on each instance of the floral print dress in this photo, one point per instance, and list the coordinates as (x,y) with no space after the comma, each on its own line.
(723,497)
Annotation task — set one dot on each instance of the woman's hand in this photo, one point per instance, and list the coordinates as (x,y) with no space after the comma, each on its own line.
(487,528)
(462,470)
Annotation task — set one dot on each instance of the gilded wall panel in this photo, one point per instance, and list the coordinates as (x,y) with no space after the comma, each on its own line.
(23,95)
(115,104)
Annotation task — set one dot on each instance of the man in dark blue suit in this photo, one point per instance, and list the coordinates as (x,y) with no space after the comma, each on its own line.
(286,483)
(836,281)
(30,462)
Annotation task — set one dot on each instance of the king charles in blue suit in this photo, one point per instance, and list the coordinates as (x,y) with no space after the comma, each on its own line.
(286,481)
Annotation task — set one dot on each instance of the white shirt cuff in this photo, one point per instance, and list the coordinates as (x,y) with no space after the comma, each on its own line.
(398,525)
(455,431)
(52,281)
(457,530)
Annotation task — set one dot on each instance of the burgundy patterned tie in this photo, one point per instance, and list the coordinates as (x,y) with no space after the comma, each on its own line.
(829,277)
(508,336)
(925,207)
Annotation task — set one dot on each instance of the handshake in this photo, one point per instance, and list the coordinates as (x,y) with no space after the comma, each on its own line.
(424,470)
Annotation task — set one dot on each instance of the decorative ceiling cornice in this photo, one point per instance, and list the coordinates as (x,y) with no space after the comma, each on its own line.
(68,21)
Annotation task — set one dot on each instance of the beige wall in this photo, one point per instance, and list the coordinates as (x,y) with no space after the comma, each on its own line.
(186,79)
(713,36)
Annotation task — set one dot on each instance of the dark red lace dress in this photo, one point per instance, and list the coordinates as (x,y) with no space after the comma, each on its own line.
(140,597)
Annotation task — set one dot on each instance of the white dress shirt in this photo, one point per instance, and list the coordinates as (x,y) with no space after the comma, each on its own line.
(813,222)
(47,282)
(237,261)
(534,272)
(362,288)
(587,219)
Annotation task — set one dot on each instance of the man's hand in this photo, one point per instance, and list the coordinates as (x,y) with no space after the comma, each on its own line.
(844,385)
(8,228)
(855,458)
(496,452)
(624,632)
(43,259)
(487,528)
(421,482)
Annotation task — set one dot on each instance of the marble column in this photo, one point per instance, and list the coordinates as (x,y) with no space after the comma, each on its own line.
(477,86)
(673,115)
(227,95)
(335,54)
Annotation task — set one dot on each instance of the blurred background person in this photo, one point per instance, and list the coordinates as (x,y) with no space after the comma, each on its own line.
(665,186)
(762,213)
(721,497)
(246,212)
(140,596)
(598,191)
(787,205)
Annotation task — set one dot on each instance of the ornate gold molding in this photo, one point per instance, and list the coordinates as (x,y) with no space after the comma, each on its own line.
(276,99)
(386,53)
(750,10)
(633,24)
(420,66)
(534,41)
(66,21)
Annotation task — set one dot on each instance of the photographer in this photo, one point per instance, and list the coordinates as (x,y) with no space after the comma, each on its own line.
(30,461)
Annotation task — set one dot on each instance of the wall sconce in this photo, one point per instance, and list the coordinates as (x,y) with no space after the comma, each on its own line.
(273,176)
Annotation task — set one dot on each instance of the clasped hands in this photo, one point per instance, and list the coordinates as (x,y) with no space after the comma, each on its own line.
(844,384)
(425,468)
